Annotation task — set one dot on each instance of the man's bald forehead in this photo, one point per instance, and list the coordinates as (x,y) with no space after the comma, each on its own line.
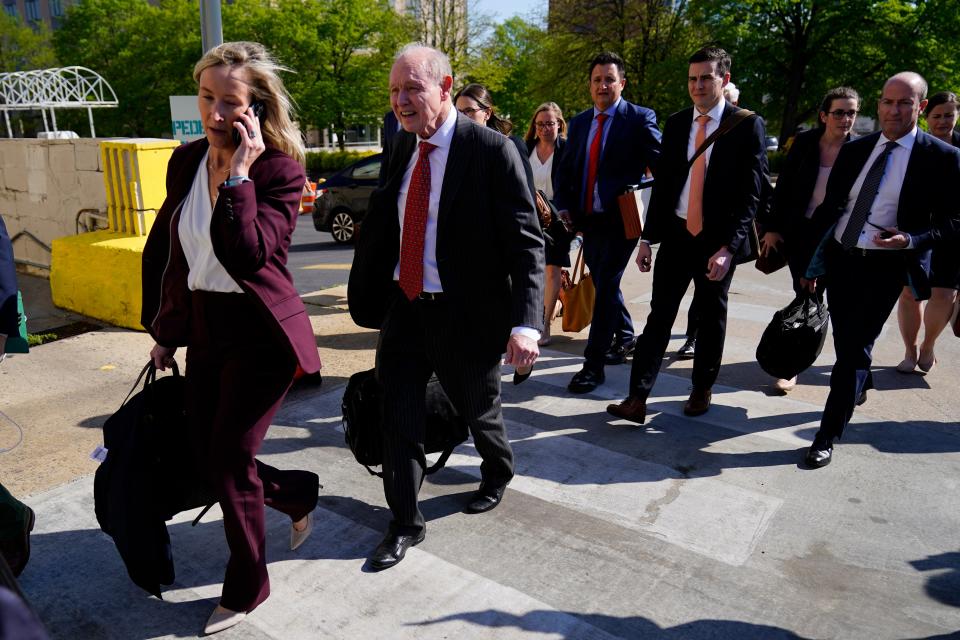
(914,80)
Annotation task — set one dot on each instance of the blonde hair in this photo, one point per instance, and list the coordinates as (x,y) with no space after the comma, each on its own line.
(561,123)
(263,78)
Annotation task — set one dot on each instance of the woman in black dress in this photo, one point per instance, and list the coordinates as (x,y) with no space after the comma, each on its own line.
(802,184)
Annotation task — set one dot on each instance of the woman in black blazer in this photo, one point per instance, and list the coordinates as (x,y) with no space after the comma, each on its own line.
(545,139)
(802,184)
(941,114)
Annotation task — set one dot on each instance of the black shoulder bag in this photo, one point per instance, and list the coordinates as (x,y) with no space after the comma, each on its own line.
(444,431)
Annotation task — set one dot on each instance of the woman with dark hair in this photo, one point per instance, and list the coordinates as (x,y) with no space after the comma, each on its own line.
(475,102)
(941,114)
(215,281)
(545,139)
(802,184)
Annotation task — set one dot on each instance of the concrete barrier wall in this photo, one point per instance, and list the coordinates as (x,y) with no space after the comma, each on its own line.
(43,184)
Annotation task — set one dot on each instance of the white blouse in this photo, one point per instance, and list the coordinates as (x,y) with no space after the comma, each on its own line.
(542,178)
(206,271)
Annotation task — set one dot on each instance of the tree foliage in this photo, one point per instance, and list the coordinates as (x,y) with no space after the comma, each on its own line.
(146,52)
(22,48)
(340,52)
(509,64)
(653,37)
(788,53)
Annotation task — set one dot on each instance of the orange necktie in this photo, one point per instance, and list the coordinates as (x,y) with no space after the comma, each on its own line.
(697,174)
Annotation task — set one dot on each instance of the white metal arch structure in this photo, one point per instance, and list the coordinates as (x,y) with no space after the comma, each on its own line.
(60,88)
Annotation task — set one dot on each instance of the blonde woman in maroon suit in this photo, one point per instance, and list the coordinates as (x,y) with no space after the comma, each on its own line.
(215,281)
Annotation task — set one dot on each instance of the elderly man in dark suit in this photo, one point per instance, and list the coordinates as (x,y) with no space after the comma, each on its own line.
(449,267)
(700,213)
(609,148)
(890,197)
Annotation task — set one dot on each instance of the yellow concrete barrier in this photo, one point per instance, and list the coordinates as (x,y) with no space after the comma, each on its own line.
(98,274)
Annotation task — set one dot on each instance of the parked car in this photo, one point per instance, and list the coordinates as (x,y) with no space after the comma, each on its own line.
(342,199)
(772,143)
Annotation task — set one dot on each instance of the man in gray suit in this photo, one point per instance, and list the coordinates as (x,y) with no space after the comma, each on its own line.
(449,268)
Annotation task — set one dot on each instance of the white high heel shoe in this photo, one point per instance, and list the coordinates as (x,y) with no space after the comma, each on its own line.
(297,538)
(221,619)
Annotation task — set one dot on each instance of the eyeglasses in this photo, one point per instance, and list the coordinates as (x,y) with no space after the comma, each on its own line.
(839,114)
(469,111)
(546,125)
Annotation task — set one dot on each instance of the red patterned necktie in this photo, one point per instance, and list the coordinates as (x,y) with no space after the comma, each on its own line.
(594,161)
(415,225)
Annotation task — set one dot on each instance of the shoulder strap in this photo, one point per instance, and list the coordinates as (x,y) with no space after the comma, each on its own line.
(726,126)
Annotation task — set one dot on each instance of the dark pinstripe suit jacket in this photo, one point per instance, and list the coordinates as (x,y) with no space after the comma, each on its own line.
(489,245)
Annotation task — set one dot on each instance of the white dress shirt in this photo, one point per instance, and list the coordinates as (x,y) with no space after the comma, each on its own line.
(441,138)
(883,213)
(542,172)
(712,125)
(206,272)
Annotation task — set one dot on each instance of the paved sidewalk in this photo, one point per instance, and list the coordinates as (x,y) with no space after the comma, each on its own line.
(682,528)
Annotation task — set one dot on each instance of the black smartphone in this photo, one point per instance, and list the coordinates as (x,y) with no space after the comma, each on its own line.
(258,109)
(885,235)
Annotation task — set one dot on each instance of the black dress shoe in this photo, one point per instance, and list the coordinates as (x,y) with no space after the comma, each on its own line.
(819,455)
(486,499)
(686,351)
(393,549)
(619,353)
(586,380)
(520,377)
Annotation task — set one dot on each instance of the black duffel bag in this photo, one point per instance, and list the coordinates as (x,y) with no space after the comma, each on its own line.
(444,431)
(794,338)
(150,474)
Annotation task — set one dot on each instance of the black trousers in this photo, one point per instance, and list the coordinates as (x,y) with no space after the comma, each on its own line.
(682,258)
(418,339)
(862,290)
(237,377)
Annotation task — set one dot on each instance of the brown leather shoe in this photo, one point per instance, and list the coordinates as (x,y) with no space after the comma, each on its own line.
(633,409)
(698,403)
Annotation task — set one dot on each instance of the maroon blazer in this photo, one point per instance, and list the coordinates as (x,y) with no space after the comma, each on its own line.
(251,229)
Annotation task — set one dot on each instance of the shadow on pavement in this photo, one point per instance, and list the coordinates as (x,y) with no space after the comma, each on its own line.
(564,624)
(944,586)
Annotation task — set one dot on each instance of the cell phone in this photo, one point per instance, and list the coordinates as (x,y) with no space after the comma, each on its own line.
(258,109)
(885,235)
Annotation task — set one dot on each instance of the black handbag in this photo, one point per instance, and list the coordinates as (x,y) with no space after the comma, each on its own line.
(794,338)
(150,474)
(444,431)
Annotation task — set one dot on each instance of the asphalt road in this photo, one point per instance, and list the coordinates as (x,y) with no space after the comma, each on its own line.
(315,260)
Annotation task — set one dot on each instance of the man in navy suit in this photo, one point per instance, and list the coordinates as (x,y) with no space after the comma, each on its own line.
(890,197)
(609,148)
(700,213)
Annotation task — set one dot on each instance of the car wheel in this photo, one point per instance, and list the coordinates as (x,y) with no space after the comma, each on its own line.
(342,227)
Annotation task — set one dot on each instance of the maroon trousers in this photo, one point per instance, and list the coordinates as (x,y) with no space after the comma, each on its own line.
(238,372)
